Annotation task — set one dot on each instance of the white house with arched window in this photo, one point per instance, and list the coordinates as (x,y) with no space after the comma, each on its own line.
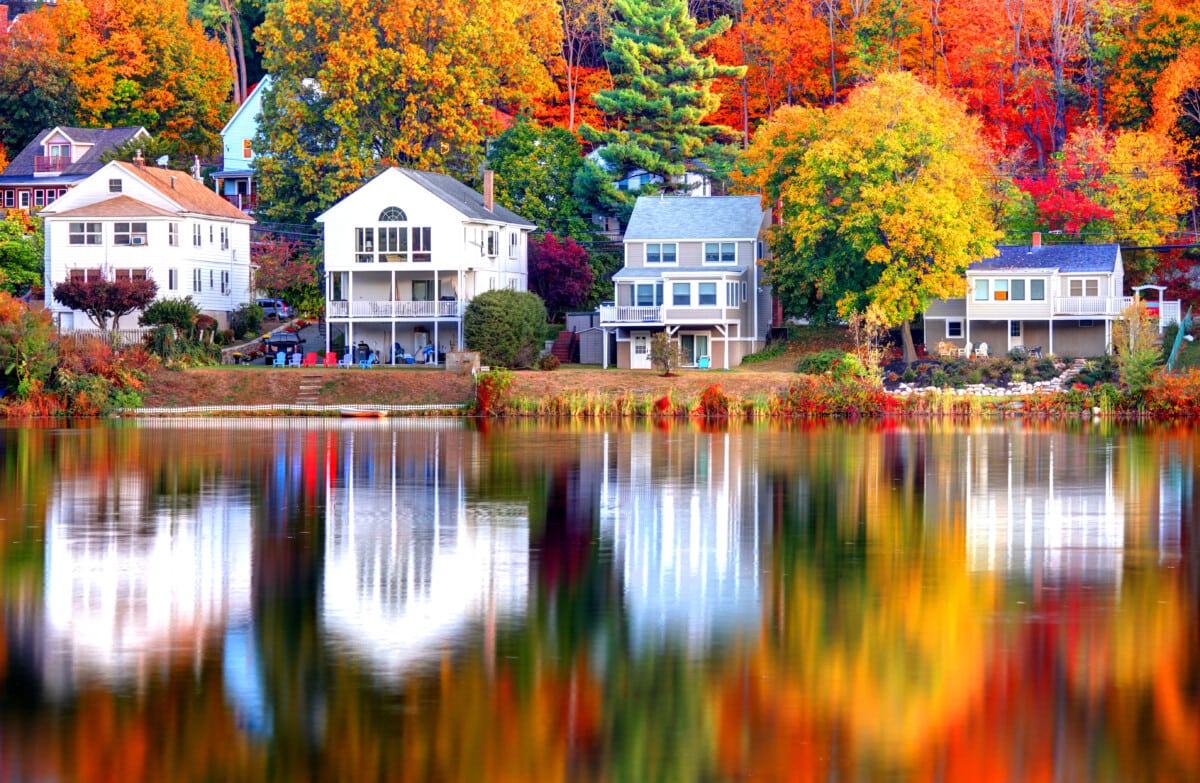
(405,253)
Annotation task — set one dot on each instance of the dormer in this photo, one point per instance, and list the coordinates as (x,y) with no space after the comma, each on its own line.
(58,151)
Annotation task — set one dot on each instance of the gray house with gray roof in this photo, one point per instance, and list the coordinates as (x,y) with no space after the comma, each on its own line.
(1062,299)
(56,160)
(692,271)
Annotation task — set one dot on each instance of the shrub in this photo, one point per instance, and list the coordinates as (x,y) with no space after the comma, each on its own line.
(713,402)
(505,327)
(246,319)
(909,375)
(975,376)
(665,354)
(939,378)
(773,349)
(549,362)
(491,392)
(180,313)
(206,323)
(820,362)
(27,348)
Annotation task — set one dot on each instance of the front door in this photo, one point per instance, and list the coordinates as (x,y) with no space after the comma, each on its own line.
(639,351)
(1016,335)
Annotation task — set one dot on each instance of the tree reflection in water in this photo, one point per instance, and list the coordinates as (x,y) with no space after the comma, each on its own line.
(429,600)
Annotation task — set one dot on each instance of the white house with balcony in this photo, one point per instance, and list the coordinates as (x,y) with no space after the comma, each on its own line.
(1062,299)
(136,221)
(406,252)
(691,270)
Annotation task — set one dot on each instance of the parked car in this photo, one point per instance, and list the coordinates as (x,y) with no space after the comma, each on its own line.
(274,308)
(287,342)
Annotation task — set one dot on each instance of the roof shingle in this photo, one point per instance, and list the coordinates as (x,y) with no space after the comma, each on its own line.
(1061,258)
(695,217)
(101,139)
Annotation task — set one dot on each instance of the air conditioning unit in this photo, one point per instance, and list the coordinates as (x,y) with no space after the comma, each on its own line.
(137,240)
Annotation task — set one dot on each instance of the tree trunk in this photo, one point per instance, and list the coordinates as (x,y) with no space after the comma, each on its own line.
(910,351)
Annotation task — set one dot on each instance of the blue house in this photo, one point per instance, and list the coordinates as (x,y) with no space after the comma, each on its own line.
(235,180)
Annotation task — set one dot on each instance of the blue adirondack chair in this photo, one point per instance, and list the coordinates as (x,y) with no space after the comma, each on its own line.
(367,362)
(281,359)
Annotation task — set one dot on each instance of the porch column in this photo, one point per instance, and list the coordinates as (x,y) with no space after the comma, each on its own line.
(1050,352)
(1107,336)
(435,340)
(458,309)
(604,350)
(328,299)
(966,331)
(392,347)
(1009,348)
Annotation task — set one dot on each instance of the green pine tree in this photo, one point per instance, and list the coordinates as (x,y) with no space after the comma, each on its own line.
(662,89)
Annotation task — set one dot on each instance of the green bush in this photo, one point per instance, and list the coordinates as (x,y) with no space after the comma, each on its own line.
(909,375)
(246,319)
(180,313)
(505,327)
(939,378)
(549,362)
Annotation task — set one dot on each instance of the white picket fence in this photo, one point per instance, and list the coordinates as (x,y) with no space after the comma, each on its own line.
(123,336)
(296,409)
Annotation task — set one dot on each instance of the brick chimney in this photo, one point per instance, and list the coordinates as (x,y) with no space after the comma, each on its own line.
(1036,241)
(489,190)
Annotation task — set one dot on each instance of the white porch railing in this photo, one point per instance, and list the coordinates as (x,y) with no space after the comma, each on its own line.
(1089,305)
(392,309)
(124,337)
(620,314)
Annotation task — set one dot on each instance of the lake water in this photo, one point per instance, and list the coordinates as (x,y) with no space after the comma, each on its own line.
(248,600)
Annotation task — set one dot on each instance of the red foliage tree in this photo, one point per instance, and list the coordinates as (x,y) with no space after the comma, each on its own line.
(559,273)
(105,301)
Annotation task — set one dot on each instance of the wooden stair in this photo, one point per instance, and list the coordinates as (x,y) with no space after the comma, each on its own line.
(564,348)
(310,389)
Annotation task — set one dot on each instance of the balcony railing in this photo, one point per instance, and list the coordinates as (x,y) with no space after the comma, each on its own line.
(1089,305)
(49,164)
(371,309)
(246,202)
(621,314)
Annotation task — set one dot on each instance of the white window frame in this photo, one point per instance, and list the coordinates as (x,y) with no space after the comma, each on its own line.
(422,244)
(197,239)
(1084,283)
(197,280)
(675,293)
(130,234)
(224,237)
(514,243)
(983,289)
(700,293)
(725,252)
(696,357)
(9,199)
(173,234)
(85,233)
(225,282)
(658,256)
(172,279)
(1042,296)
(114,186)
(953,324)
(491,242)
(23,199)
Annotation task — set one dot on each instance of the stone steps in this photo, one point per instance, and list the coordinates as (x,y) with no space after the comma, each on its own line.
(310,389)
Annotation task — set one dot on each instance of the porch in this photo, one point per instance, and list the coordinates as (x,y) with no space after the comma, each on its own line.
(374,309)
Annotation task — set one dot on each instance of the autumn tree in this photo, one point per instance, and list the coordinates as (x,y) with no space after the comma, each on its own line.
(27,346)
(662,90)
(105,301)
(287,269)
(585,23)
(882,201)
(559,273)
(408,83)
(30,105)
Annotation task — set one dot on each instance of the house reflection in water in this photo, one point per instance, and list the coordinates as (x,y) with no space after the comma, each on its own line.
(682,513)
(411,569)
(1054,505)
(132,583)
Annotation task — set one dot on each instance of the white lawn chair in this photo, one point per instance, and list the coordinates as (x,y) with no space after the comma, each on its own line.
(982,351)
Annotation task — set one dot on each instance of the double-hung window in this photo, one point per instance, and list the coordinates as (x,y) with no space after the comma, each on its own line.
(954,328)
(197,281)
(661,253)
(196,237)
(84,234)
(1084,287)
(364,244)
(706,295)
(1037,290)
(514,243)
(720,252)
(84,275)
(173,234)
(172,279)
(1000,290)
(129,274)
(422,243)
(492,239)
(982,291)
(648,294)
(681,294)
(1016,290)
(224,237)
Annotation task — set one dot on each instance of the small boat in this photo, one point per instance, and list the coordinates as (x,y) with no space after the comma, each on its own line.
(361,413)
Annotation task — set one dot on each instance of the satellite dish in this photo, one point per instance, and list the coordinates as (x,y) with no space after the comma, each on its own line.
(163,160)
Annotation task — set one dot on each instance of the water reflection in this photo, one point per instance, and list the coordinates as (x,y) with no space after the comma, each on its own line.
(362,601)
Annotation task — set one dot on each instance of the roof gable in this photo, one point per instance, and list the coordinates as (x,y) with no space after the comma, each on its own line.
(101,140)
(695,217)
(1064,259)
(158,191)
(252,101)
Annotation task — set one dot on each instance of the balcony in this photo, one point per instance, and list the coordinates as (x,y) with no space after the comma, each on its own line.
(1090,305)
(246,202)
(50,164)
(393,310)
(621,314)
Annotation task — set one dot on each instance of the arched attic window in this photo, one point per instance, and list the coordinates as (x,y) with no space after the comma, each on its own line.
(393,215)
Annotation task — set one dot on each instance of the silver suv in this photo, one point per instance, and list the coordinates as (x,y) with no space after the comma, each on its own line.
(274,308)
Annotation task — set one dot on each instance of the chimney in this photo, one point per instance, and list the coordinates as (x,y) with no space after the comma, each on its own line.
(172,182)
(1037,239)
(489,190)
(138,160)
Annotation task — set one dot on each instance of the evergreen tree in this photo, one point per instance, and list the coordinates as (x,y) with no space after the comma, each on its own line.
(662,89)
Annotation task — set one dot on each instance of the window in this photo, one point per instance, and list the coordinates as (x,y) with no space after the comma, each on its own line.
(707,294)
(492,243)
(954,328)
(731,294)
(173,234)
(84,234)
(694,347)
(1084,287)
(196,235)
(1037,290)
(211,278)
(743,292)
(129,274)
(393,242)
(1014,329)
(247,148)
(225,282)
(421,244)
(84,275)
(720,252)
(196,284)
(9,199)
(392,215)
(114,186)
(224,237)
(129,233)
(514,243)
(339,283)
(210,234)
(681,294)
(172,279)
(1000,290)
(364,244)
(981,290)
(648,295)
(1016,291)
(58,151)
(39,198)
(660,253)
